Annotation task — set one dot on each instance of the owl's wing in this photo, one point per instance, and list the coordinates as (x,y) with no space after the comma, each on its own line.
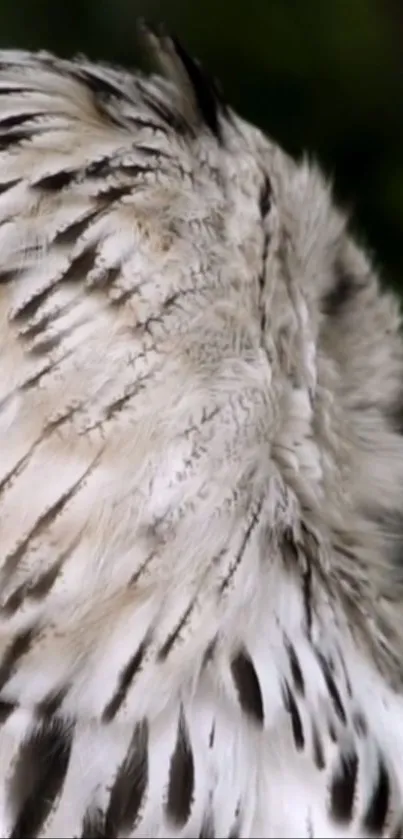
(172,662)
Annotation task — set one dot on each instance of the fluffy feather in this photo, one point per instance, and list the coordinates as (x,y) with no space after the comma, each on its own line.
(201,463)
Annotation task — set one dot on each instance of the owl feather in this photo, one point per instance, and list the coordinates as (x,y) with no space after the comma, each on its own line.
(201,586)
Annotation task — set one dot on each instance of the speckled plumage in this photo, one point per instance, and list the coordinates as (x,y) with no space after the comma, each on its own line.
(201,462)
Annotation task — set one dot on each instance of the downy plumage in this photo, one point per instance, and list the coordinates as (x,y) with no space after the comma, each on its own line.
(201,466)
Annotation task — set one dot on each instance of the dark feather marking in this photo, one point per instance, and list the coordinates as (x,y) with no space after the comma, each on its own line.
(143,565)
(110,193)
(331,664)
(332,731)
(18,647)
(32,591)
(376,813)
(318,754)
(80,266)
(6,709)
(212,736)
(32,381)
(125,680)
(51,704)
(289,548)
(21,464)
(49,428)
(93,826)
(57,181)
(134,170)
(130,786)
(5,186)
(265,197)
(332,688)
(38,776)
(394,417)
(342,790)
(296,723)
(20,119)
(239,556)
(47,344)
(8,276)
(33,330)
(209,652)
(310,548)
(76,270)
(310,541)
(207,830)
(296,671)
(103,166)
(71,234)
(248,687)
(107,166)
(46,519)
(171,301)
(174,635)
(117,404)
(141,123)
(360,724)
(292,557)
(16,137)
(157,154)
(262,281)
(122,297)
(11,90)
(97,84)
(235,832)
(181,777)
(346,675)
(344,290)
(16,469)
(207,96)
(172,119)
(29,308)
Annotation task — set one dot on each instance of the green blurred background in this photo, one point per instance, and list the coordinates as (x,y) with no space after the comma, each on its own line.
(321,75)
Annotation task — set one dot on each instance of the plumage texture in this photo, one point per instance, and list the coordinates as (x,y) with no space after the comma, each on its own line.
(201,587)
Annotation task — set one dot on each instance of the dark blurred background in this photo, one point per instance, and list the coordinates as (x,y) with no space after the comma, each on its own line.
(321,75)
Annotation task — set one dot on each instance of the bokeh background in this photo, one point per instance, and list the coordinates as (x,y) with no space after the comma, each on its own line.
(318,75)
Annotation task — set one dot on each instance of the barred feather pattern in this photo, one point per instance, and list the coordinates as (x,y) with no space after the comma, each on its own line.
(201,589)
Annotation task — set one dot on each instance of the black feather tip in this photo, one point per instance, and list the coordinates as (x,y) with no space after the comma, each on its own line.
(188,74)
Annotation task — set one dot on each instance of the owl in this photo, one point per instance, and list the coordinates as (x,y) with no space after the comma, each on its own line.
(201,467)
